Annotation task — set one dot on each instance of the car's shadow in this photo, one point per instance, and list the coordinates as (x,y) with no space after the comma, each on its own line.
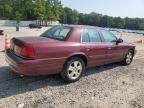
(12,84)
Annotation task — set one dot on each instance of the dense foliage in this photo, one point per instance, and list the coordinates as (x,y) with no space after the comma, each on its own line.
(30,9)
(44,10)
(112,22)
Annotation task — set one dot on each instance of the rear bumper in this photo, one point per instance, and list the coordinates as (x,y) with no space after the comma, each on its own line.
(31,67)
(135,51)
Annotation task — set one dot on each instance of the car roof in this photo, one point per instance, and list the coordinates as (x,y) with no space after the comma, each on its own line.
(83,26)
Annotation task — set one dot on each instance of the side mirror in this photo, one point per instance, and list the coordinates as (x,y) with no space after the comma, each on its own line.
(119,41)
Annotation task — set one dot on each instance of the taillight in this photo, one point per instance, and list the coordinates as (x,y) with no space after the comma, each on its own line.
(27,51)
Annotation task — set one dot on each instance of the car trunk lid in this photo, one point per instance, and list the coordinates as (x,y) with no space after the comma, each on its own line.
(27,46)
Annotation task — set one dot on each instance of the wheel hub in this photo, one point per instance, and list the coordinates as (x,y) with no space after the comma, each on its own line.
(129,57)
(74,70)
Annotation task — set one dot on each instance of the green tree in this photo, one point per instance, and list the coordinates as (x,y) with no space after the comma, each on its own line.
(18,17)
(75,17)
(104,21)
(6,9)
(63,17)
(40,10)
(69,16)
(28,7)
(118,22)
(48,11)
(57,10)
(53,10)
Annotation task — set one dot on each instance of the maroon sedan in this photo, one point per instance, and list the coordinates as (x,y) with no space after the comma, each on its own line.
(68,50)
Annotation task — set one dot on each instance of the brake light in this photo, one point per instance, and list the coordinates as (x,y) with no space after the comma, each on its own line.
(27,51)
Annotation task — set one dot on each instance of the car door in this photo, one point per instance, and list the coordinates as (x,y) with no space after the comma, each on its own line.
(114,52)
(93,47)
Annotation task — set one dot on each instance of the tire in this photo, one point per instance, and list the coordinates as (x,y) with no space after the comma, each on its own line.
(128,58)
(73,69)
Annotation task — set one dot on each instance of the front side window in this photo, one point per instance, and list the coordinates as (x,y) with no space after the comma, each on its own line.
(108,37)
(57,32)
(91,35)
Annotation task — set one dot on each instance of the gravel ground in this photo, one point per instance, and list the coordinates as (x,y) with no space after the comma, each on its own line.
(109,86)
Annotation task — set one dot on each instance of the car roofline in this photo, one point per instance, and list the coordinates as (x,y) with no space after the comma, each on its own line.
(82,26)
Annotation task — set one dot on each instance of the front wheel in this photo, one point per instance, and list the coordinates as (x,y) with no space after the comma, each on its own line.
(128,58)
(73,69)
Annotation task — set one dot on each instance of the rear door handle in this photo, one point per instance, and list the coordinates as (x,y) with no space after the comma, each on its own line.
(109,48)
(87,49)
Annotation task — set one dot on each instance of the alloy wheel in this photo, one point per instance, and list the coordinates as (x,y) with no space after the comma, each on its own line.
(129,57)
(74,70)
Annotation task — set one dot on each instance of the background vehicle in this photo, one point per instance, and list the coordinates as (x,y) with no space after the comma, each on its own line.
(1,32)
(34,26)
(67,50)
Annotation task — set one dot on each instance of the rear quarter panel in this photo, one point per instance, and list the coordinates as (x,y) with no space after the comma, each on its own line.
(55,54)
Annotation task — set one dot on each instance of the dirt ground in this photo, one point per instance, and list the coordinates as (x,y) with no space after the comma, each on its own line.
(109,86)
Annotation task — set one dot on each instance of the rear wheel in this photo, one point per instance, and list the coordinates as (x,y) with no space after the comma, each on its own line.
(73,69)
(128,58)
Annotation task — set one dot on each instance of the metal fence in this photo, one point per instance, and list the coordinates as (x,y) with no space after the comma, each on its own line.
(26,23)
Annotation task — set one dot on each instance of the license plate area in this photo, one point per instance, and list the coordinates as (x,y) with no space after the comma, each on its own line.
(17,49)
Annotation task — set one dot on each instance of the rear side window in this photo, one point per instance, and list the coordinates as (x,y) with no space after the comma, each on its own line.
(94,35)
(62,32)
(91,35)
(85,37)
(57,32)
(108,37)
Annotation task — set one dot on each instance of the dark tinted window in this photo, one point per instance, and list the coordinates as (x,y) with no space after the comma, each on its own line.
(57,32)
(109,37)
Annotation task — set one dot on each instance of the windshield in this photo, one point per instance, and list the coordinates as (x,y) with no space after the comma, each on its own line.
(57,32)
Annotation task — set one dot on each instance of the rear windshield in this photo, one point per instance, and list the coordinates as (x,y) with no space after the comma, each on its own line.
(57,32)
